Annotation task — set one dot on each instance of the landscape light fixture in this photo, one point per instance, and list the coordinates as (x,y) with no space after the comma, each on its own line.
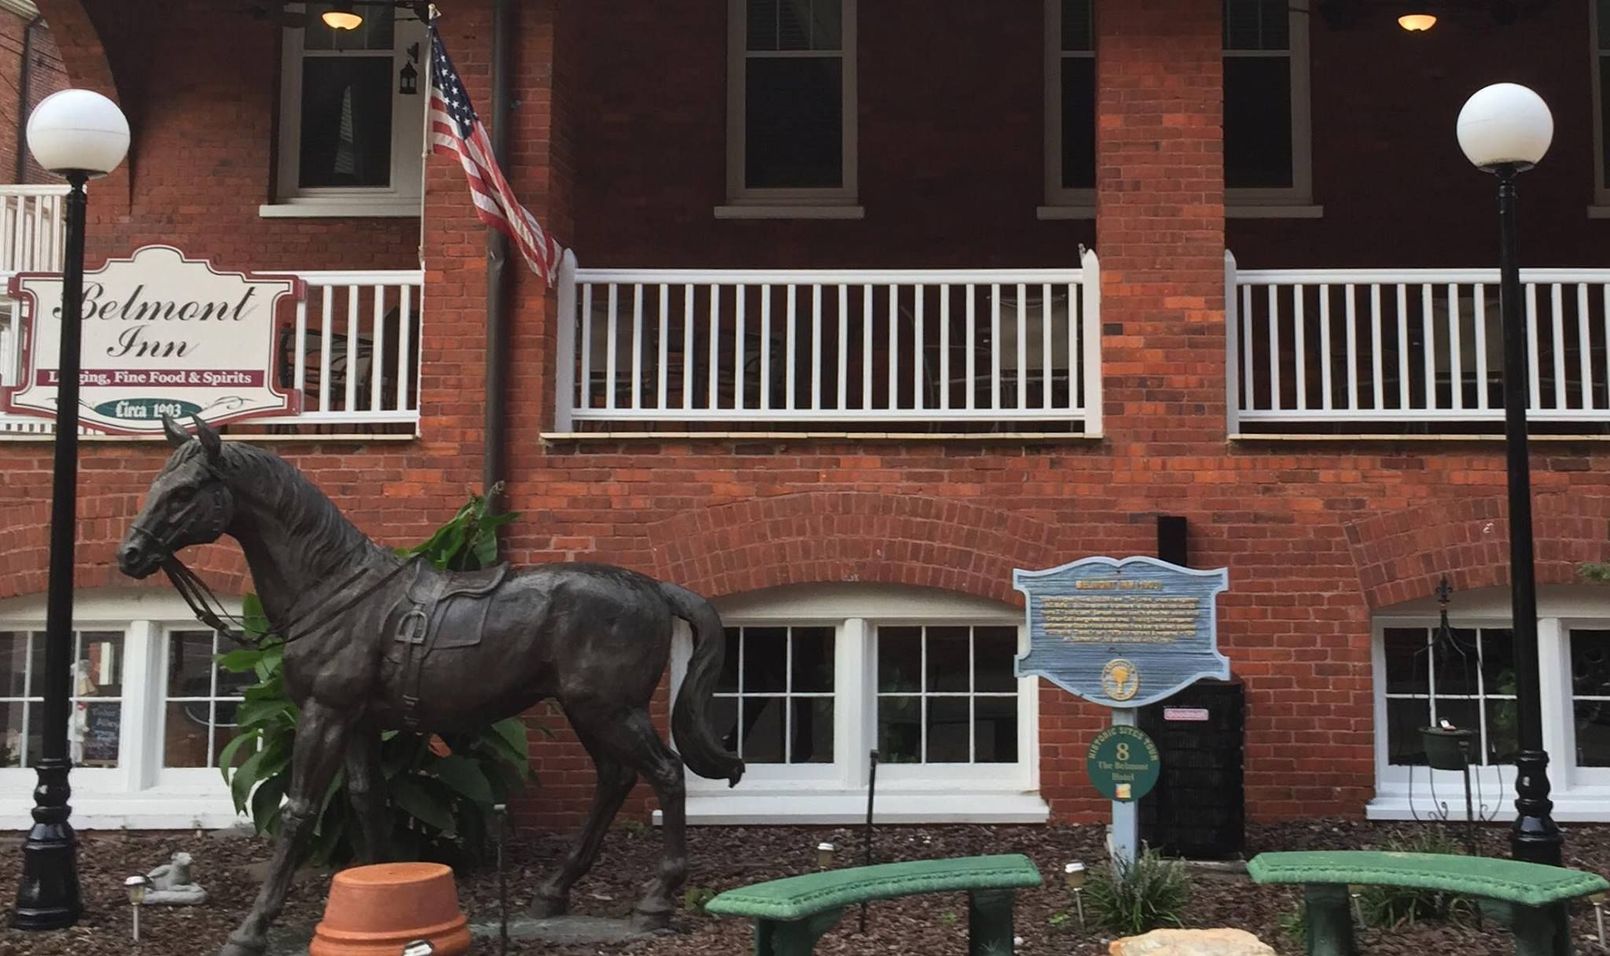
(341,16)
(824,855)
(136,887)
(1505,129)
(1074,874)
(79,135)
(1417,22)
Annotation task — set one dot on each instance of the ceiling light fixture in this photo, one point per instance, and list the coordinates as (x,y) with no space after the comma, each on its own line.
(341,16)
(1412,22)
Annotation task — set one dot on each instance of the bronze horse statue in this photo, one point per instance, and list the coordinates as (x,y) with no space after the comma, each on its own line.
(378,642)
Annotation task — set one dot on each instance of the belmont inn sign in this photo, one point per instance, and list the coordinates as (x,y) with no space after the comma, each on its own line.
(162,335)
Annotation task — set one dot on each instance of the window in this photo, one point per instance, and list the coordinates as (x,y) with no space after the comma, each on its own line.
(201,699)
(774,703)
(1466,679)
(818,676)
(1266,140)
(352,114)
(947,694)
(1070,98)
(791,101)
(94,724)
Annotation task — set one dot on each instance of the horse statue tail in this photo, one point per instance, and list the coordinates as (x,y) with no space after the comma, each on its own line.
(701,751)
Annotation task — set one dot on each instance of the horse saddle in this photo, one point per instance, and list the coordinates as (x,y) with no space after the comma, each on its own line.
(443,610)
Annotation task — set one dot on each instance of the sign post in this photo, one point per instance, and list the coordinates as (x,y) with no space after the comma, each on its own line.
(1122,634)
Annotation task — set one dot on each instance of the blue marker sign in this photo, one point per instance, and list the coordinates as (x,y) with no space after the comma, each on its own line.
(1122,633)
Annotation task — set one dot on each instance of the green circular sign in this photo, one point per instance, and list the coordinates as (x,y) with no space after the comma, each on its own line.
(1123,763)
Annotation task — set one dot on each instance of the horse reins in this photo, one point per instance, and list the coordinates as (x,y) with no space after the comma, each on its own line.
(196,594)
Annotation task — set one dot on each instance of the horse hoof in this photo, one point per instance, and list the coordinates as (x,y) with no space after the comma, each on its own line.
(243,947)
(544,907)
(651,921)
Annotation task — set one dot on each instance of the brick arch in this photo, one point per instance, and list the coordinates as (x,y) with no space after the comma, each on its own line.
(103,519)
(1402,555)
(82,52)
(818,537)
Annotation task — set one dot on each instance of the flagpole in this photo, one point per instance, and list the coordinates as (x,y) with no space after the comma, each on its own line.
(431,13)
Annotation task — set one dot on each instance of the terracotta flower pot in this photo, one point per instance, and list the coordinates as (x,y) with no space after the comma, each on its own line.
(376,910)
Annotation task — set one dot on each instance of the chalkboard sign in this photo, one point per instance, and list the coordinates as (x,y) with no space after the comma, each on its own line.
(103,723)
(1122,633)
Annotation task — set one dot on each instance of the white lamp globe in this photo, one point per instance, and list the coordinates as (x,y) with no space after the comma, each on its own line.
(78,131)
(1505,123)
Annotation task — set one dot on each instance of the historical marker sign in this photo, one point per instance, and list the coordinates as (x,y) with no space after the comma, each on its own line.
(1122,633)
(1123,763)
(162,335)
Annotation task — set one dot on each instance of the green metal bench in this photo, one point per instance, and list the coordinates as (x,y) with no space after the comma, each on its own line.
(1536,894)
(792,914)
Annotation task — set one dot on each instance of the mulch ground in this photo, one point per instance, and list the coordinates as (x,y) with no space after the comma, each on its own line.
(723,857)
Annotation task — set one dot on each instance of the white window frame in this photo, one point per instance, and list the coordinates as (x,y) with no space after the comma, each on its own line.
(1301,191)
(1057,197)
(404,197)
(744,202)
(139,793)
(1580,794)
(907,793)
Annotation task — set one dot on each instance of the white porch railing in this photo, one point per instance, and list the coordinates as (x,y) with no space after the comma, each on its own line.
(32,228)
(1420,349)
(645,349)
(350,348)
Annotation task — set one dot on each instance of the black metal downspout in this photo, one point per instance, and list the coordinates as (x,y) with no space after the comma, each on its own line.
(25,87)
(497,254)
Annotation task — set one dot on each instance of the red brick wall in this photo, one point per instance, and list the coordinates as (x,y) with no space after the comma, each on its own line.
(35,78)
(619,145)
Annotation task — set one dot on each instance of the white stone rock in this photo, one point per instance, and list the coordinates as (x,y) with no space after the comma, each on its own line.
(1191,942)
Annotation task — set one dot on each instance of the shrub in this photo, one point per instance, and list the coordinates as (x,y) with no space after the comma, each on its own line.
(1131,898)
(441,790)
(1395,906)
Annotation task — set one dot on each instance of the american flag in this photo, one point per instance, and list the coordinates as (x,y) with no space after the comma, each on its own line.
(455,129)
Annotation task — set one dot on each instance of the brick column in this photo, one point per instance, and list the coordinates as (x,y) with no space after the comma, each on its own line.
(1160,219)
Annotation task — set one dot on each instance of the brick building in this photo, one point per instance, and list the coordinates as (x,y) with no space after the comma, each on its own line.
(870,305)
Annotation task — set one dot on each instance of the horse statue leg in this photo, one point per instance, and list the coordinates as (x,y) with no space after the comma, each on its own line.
(321,739)
(630,738)
(615,781)
(365,790)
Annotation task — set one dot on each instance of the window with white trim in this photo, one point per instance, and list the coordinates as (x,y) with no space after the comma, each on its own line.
(94,723)
(1466,679)
(1599,11)
(791,101)
(817,676)
(199,709)
(352,112)
(1266,102)
(1070,96)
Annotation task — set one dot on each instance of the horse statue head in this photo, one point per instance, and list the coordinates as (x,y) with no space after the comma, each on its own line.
(189,502)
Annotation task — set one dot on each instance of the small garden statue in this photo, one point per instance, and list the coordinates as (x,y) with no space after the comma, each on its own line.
(171,885)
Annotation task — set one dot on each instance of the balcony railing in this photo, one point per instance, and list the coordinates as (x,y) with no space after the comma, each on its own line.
(661,350)
(32,228)
(350,348)
(1411,351)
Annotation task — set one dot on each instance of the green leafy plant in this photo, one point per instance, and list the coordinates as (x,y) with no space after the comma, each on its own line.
(1132,898)
(694,898)
(1396,906)
(441,789)
(1293,925)
(1060,922)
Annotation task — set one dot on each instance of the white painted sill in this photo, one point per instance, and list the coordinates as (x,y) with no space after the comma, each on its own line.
(307,209)
(1065,212)
(742,807)
(1599,212)
(146,810)
(1272,211)
(783,211)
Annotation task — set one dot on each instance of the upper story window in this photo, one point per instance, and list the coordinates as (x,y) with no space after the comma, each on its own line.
(352,108)
(1266,141)
(1070,99)
(791,101)
(1600,11)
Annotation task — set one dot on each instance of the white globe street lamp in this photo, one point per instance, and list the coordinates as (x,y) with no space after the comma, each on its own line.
(1506,129)
(78,134)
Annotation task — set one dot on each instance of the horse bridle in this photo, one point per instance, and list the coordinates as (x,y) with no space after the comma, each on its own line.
(197,595)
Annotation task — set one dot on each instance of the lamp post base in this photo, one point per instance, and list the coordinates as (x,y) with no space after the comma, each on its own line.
(48,896)
(1534,837)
